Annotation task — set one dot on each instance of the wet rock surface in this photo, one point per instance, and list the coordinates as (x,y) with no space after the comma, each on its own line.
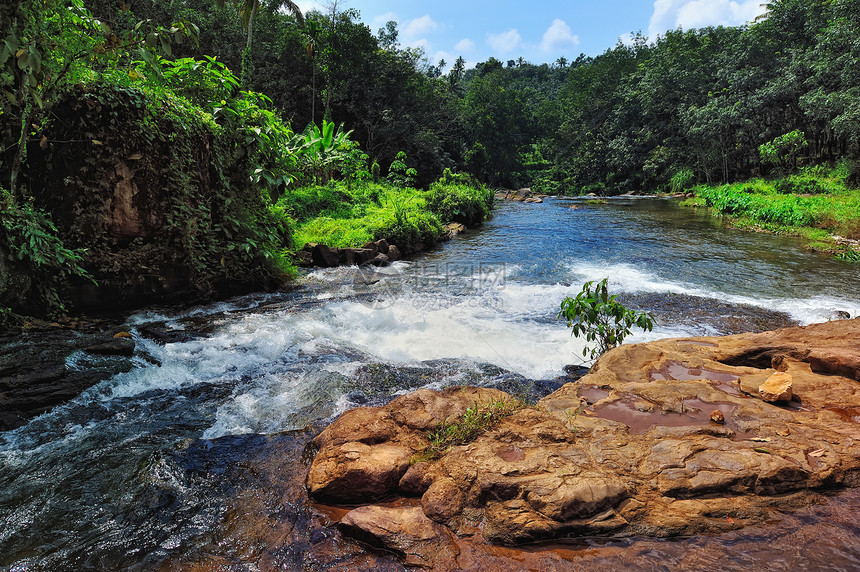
(45,365)
(48,364)
(631,449)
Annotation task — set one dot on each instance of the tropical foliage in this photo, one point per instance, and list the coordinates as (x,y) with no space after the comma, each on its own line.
(324,109)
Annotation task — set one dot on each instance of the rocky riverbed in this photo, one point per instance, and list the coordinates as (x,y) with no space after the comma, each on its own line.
(667,438)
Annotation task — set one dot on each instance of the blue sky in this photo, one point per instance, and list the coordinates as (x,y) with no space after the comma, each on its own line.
(539,31)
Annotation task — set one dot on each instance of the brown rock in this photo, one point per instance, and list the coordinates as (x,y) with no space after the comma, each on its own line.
(393,253)
(382,246)
(406,531)
(776,388)
(564,498)
(425,409)
(514,522)
(357,471)
(368,425)
(325,257)
(454,228)
(115,346)
(304,258)
(380,260)
(443,500)
(357,256)
(644,458)
(417,479)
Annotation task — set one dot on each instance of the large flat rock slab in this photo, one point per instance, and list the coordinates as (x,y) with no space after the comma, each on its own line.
(660,439)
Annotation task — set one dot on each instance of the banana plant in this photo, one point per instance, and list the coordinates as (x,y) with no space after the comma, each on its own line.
(325,148)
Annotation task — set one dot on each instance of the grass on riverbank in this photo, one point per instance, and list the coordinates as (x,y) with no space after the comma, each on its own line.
(814,204)
(341,215)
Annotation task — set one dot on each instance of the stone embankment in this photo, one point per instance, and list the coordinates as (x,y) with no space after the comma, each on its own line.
(667,438)
(378,253)
(525,195)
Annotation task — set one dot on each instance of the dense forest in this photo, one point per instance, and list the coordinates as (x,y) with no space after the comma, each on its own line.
(267,125)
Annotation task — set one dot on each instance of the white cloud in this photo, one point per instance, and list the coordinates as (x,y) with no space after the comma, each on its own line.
(419,27)
(422,43)
(686,14)
(558,37)
(307,5)
(465,45)
(414,32)
(505,42)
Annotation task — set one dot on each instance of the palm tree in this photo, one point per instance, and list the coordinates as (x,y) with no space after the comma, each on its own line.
(248,12)
(768,8)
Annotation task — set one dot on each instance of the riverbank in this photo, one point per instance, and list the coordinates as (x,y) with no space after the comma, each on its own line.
(353,215)
(815,205)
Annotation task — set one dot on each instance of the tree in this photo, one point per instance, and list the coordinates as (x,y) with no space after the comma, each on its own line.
(248,12)
(598,316)
(388,36)
(455,75)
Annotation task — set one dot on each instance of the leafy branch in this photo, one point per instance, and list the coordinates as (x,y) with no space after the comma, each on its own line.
(601,318)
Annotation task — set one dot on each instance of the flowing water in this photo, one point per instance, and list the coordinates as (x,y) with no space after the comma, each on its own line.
(195,456)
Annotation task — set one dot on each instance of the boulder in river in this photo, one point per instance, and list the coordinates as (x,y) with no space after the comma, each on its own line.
(325,257)
(393,253)
(404,530)
(630,449)
(452,229)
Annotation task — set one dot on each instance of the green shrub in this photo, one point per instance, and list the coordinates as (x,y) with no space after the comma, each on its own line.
(477,420)
(760,202)
(30,239)
(305,203)
(784,150)
(600,318)
(682,180)
(334,216)
(457,202)
(399,173)
(726,199)
(801,186)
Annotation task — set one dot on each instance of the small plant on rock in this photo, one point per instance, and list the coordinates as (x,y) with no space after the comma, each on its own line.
(476,421)
(600,318)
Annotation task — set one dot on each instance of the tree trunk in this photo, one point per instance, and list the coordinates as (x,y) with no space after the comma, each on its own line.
(251,17)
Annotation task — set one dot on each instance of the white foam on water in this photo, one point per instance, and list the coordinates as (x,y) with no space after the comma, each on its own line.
(286,366)
(631,279)
(275,402)
(415,328)
(238,348)
(247,302)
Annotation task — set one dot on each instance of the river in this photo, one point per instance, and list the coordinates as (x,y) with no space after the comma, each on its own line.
(149,469)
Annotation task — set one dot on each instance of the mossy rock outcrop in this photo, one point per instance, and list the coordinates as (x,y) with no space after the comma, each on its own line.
(156,192)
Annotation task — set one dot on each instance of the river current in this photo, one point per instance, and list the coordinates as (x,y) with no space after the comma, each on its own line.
(142,471)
